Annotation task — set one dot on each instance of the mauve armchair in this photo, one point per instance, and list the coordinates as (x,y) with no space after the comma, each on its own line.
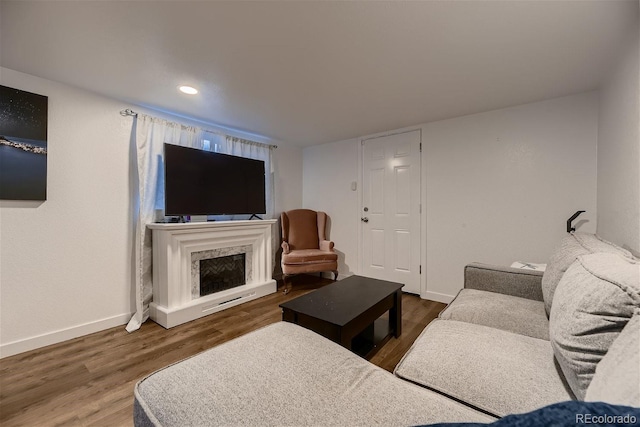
(305,248)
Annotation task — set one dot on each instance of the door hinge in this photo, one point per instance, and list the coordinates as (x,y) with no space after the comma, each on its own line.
(421,147)
(420,208)
(421,269)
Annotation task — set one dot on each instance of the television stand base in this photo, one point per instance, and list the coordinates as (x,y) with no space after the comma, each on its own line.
(254,215)
(172,220)
(175,272)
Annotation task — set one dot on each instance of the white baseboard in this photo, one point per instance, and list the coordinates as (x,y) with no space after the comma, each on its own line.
(435,296)
(55,337)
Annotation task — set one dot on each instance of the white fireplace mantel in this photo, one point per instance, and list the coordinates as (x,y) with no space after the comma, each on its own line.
(173,244)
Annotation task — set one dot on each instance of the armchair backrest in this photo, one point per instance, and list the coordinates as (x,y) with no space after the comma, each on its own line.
(303,228)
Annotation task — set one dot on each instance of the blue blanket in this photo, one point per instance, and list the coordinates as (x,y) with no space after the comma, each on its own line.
(571,413)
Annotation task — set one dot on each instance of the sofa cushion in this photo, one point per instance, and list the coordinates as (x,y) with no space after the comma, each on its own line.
(617,377)
(284,374)
(497,371)
(593,302)
(571,247)
(506,312)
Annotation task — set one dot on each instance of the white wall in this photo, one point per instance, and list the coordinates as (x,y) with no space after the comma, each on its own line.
(619,150)
(499,187)
(65,264)
(287,163)
(328,171)
(501,184)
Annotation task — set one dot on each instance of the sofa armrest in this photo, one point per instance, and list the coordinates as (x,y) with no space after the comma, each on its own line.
(504,280)
(285,248)
(326,245)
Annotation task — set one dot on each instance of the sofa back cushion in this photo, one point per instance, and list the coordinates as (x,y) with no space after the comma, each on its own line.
(594,301)
(571,247)
(617,378)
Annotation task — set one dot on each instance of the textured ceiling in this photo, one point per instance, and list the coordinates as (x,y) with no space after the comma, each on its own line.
(314,72)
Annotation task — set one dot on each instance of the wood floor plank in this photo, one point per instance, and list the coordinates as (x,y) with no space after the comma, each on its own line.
(88,381)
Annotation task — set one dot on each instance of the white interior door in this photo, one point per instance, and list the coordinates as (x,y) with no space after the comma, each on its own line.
(390,211)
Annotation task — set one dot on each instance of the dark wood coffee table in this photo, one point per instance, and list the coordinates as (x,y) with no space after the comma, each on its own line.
(348,312)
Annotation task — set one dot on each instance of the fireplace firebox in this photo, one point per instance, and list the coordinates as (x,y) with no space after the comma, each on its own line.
(222,273)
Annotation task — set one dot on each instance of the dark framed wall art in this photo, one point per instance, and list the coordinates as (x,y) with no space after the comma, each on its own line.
(23,145)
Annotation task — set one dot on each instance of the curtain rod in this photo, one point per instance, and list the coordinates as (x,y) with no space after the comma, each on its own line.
(130,112)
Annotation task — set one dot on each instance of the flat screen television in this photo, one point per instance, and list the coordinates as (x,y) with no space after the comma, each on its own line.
(199,182)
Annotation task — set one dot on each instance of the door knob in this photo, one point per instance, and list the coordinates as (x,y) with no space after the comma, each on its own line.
(365,219)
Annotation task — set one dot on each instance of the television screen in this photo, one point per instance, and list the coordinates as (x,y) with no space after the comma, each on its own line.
(199,182)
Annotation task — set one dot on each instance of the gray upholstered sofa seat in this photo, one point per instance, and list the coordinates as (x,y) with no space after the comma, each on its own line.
(507,312)
(285,375)
(494,370)
(501,297)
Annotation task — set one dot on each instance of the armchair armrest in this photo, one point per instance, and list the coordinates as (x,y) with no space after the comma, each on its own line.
(504,280)
(285,247)
(326,245)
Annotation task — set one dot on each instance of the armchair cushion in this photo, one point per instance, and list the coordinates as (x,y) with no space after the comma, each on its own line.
(308,256)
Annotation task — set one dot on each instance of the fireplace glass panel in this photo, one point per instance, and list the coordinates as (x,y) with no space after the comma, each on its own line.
(219,274)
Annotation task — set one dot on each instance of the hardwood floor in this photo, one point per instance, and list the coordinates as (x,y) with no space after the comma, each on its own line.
(89,380)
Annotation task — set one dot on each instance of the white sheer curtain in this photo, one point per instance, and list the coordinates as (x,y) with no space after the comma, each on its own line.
(253,150)
(150,136)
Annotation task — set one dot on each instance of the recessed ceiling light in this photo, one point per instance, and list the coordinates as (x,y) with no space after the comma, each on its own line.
(188,90)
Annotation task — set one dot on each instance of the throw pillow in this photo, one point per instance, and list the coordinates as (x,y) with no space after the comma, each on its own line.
(594,301)
(571,247)
(617,378)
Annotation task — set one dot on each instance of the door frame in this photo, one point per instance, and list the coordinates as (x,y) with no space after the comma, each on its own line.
(423,198)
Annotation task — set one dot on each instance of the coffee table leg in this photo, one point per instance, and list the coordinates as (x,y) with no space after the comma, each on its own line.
(289,316)
(345,341)
(395,314)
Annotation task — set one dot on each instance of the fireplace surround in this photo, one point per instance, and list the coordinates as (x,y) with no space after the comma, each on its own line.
(178,250)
